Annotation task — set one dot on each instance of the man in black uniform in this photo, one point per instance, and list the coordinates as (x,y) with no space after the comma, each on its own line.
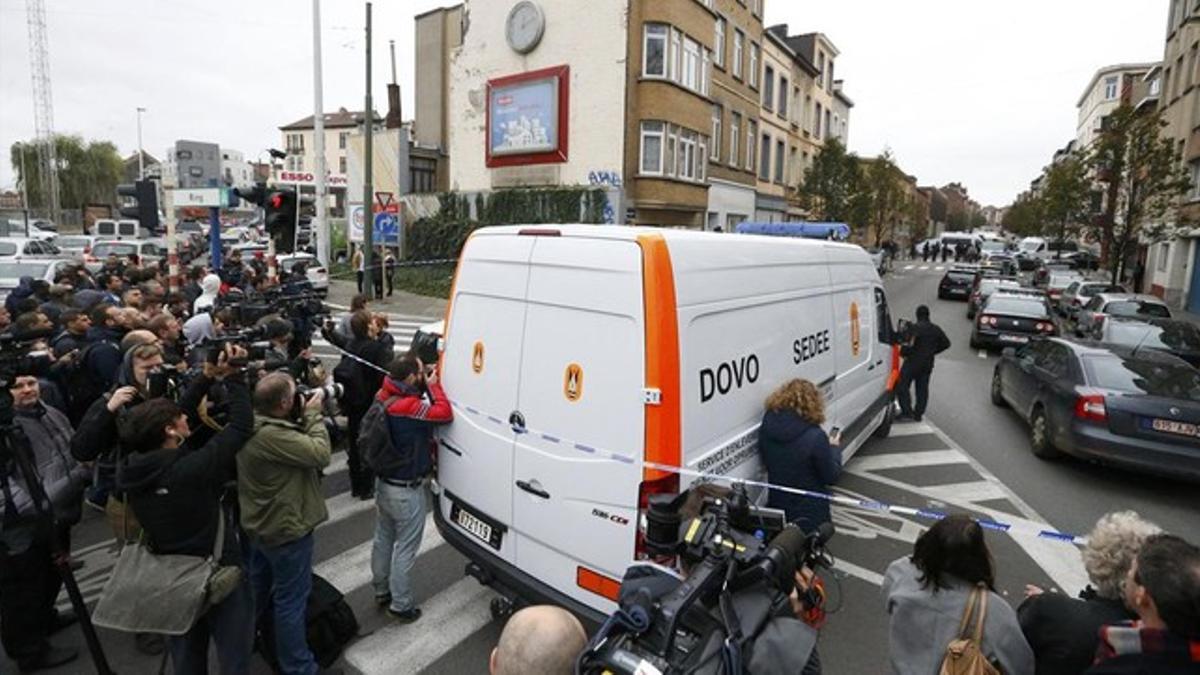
(922,341)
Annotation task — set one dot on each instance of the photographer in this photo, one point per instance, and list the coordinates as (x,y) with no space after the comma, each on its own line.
(29,582)
(279,493)
(169,333)
(177,496)
(361,381)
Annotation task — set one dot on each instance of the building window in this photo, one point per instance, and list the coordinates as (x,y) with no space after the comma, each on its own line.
(342,138)
(705,71)
(768,97)
(669,166)
(1164,254)
(654,54)
(1194,194)
(821,69)
(779,157)
(784,92)
(817,122)
(1110,88)
(423,175)
(676,55)
(691,64)
(764,158)
(719,43)
(738,39)
(753,65)
(735,132)
(652,147)
(715,149)
(829,80)
(341,165)
(751,143)
(828,129)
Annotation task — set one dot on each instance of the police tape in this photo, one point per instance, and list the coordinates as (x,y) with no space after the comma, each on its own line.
(381,268)
(1015,526)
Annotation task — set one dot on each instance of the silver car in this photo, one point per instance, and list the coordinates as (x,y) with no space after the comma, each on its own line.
(1098,309)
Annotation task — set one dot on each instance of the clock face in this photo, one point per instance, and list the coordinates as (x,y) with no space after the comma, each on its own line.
(525,26)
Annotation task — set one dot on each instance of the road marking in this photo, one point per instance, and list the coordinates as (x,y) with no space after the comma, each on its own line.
(983,353)
(863,573)
(447,620)
(939,268)
(910,429)
(351,569)
(924,267)
(904,460)
(971,491)
(909,267)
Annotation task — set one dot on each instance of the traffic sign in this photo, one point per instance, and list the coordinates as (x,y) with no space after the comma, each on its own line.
(387,229)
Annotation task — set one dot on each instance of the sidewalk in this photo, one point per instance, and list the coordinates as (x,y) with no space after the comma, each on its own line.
(342,291)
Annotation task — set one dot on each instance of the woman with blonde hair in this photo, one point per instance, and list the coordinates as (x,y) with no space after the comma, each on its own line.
(797,452)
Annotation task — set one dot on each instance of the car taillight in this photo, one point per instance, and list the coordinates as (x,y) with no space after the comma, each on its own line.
(666,485)
(1046,327)
(987,321)
(1091,408)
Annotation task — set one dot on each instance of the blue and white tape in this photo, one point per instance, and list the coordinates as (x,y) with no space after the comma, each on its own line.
(1016,526)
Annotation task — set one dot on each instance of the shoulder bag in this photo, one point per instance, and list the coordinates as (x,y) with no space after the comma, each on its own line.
(964,654)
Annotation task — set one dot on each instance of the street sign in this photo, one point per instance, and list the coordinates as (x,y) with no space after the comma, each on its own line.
(387,229)
(210,197)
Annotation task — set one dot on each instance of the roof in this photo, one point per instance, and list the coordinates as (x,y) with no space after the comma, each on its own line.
(1140,68)
(335,120)
(838,93)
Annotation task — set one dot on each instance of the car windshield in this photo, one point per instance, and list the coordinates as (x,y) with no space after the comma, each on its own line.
(8,248)
(1088,290)
(961,276)
(992,246)
(987,286)
(108,248)
(1137,308)
(1016,305)
(1171,337)
(1146,376)
(13,270)
(71,242)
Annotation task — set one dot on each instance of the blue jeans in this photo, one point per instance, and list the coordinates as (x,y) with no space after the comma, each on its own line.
(230,625)
(399,526)
(283,574)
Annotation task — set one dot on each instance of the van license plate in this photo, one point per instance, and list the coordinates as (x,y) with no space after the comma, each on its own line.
(469,522)
(1019,339)
(1173,427)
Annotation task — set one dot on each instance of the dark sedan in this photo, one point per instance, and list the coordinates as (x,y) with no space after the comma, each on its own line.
(1007,320)
(956,283)
(1138,409)
(1180,338)
(984,287)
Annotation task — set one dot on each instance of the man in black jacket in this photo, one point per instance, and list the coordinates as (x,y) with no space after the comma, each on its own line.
(371,344)
(177,496)
(923,340)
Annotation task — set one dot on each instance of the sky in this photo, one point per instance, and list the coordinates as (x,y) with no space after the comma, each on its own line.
(959,90)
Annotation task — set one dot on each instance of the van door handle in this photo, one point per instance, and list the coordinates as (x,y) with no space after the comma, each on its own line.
(533,490)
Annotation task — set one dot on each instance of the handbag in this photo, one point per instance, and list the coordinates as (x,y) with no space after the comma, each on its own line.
(964,654)
(164,593)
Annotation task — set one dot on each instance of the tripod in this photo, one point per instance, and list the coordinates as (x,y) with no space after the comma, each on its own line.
(15,450)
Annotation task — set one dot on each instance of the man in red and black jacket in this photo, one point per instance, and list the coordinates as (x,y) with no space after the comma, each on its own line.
(415,403)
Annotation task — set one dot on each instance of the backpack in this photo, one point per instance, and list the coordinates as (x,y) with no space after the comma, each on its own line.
(353,376)
(331,625)
(81,385)
(374,438)
(964,654)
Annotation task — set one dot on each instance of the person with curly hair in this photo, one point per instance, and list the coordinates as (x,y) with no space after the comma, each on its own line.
(798,453)
(1064,631)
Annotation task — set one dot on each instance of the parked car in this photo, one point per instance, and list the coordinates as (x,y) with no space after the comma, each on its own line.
(1181,338)
(314,271)
(956,283)
(1080,292)
(1138,409)
(1082,260)
(1119,304)
(1006,261)
(18,248)
(14,227)
(45,269)
(147,251)
(75,245)
(984,289)
(1044,269)
(1057,283)
(1007,320)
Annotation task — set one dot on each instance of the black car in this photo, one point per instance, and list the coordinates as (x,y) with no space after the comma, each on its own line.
(1180,338)
(984,286)
(1007,320)
(1082,260)
(1132,408)
(956,283)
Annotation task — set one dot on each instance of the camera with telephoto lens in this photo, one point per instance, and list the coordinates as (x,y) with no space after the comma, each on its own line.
(732,612)
(333,391)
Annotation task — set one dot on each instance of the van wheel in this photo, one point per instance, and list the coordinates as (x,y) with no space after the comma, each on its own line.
(885,427)
(1039,436)
(997,396)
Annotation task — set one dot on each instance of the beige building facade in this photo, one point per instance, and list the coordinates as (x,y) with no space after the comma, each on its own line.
(1102,96)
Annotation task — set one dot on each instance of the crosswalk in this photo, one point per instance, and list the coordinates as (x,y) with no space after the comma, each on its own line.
(924,268)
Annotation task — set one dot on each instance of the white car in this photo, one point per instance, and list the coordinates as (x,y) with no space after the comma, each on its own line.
(316,273)
(45,269)
(76,245)
(14,227)
(147,251)
(18,248)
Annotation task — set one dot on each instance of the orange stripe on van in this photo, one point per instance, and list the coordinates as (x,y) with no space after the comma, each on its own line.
(663,443)
(450,300)
(597,583)
(894,376)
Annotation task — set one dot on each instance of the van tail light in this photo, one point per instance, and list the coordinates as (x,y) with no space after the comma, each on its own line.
(539,232)
(597,583)
(667,485)
(1090,408)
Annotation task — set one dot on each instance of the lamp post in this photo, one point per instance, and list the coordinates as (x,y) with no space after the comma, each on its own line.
(141,158)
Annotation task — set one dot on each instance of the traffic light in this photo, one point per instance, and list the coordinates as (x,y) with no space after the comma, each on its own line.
(144,209)
(280,207)
(256,194)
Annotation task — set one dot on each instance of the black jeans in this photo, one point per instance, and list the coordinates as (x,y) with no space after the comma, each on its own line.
(362,481)
(29,586)
(359,276)
(907,379)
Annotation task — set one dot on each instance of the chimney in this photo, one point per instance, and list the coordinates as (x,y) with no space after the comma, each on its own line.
(392,121)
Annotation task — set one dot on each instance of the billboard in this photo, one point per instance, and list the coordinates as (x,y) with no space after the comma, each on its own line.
(527,118)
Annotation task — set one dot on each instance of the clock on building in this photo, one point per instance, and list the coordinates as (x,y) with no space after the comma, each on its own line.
(526,23)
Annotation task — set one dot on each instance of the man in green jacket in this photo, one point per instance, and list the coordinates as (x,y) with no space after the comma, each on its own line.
(279,491)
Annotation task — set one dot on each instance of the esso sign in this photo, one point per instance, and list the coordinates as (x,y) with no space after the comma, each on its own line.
(307,178)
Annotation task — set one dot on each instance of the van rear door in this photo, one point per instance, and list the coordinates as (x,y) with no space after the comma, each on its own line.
(581,394)
(481,366)
(862,365)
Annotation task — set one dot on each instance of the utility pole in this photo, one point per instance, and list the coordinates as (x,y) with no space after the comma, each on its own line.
(368,188)
(141,161)
(322,230)
(24,186)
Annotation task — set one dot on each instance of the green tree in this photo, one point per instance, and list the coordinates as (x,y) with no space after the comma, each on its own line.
(1066,196)
(977,220)
(958,221)
(884,193)
(831,183)
(1146,180)
(87,172)
(1024,218)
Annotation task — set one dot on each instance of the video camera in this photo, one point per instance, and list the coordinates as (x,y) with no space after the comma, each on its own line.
(732,612)
(18,358)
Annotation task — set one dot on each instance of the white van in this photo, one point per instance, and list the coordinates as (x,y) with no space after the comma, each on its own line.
(575,354)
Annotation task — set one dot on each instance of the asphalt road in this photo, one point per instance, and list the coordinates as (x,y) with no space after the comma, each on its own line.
(967,456)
